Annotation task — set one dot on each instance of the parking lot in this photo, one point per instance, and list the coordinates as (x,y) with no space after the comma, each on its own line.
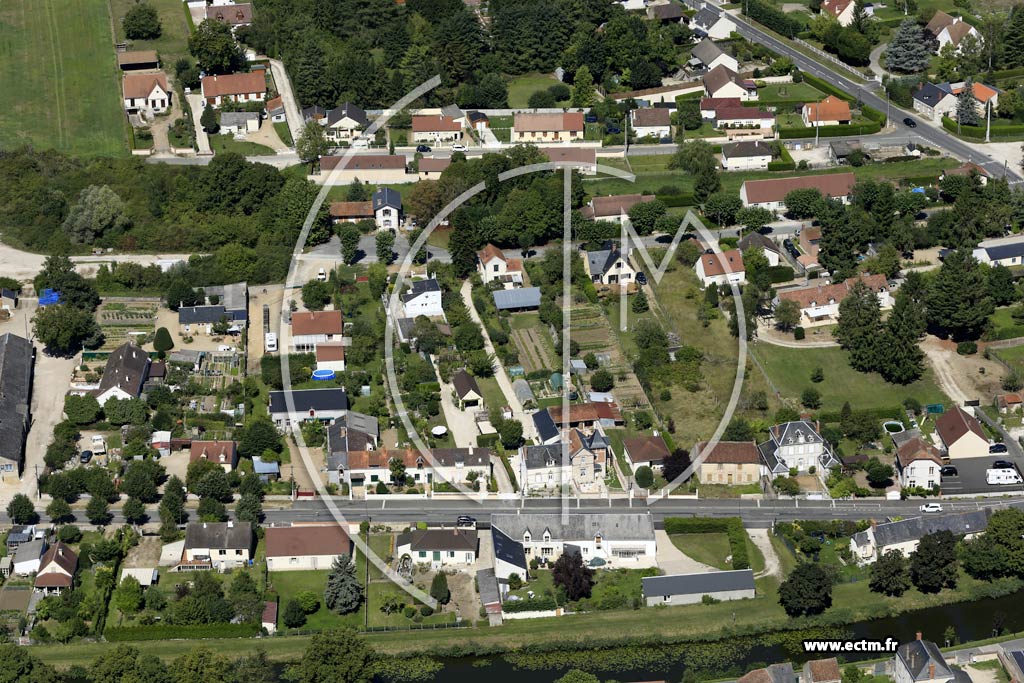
(970,478)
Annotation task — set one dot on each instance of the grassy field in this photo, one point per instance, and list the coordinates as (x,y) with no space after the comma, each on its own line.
(790,370)
(1013,356)
(228,143)
(1003,324)
(789,91)
(284,132)
(521,87)
(493,396)
(709,549)
(58,70)
(173,40)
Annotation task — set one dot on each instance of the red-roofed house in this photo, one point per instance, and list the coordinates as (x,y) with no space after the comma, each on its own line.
(330,357)
(269,620)
(56,569)
(1008,403)
(918,464)
(830,111)
(537,128)
(494,265)
(645,450)
(842,10)
(819,305)
(729,462)
(721,269)
(240,87)
(223,453)
(430,168)
(435,128)
(146,93)
(961,434)
(315,327)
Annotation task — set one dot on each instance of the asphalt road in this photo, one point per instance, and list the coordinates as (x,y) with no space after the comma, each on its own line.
(754,513)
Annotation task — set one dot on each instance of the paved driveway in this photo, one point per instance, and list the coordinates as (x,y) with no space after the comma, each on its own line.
(672,560)
(195,101)
(292,111)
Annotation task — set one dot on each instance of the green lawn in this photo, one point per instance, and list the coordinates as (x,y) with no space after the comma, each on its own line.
(789,121)
(493,395)
(1014,356)
(58,70)
(284,132)
(228,143)
(788,92)
(523,321)
(289,584)
(173,40)
(521,87)
(709,549)
(1003,324)
(790,370)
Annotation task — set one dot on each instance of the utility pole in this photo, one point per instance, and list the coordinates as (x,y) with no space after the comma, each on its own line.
(817,123)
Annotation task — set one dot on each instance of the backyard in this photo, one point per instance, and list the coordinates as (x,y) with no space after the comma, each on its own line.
(174,29)
(228,143)
(521,87)
(64,49)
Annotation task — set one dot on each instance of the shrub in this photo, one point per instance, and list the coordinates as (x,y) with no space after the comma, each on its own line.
(786,486)
(539,603)
(409,611)
(382,488)
(426,610)
(798,333)
(967,348)
(644,476)
(515,582)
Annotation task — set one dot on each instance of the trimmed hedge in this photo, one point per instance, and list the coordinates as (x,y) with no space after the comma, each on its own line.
(678,200)
(730,526)
(887,413)
(831,131)
(170,631)
(1008,73)
(486,440)
(827,87)
(539,603)
(780,274)
(781,166)
(978,132)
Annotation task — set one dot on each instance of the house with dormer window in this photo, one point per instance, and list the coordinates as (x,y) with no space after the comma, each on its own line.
(546,468)
(819,305)
(617,540)
(797,445)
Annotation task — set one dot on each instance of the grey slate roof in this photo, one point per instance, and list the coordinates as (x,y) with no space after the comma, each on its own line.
(347,110)
(350,432)
(539,457)
(602,259)
(452,111)
(745,149)
(386,196)
(756,239)
(546,428)
(467,457)
(315,111)
(238,118)
(507,549)
(220,535)
(915,528)
(201,315)
(487,582)
(1004,251)
(16,355)
(309,399)
(439,539)
(703,583)
(32,550)
(464,383)
(579,527)
(919,655)
(234,298)
(420,287)
(705,18)
(929,94)
(706,51)
(126,368)
(521,297)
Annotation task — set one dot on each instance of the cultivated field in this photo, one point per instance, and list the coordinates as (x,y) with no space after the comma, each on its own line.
(59,76)
(591,329)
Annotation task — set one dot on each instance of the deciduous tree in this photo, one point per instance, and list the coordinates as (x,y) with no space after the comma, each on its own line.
(215,48)
(573,576)
(807,591)
(141,22)
(99,212)
(340,656)
(934,566)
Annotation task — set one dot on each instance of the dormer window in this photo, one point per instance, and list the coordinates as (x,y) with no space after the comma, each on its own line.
(526,537)
(547,536)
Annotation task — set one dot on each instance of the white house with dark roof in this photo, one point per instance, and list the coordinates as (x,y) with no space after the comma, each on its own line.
(746,155)
(343,123)
(467,390)
(623,539)
(921,661)
(239,123)
(124,375)
(544,469)
(1004,251)
(323,405)
(713,24)
(710,55)
(16,359)
(689,589)
(903,536)
(439,547)
(387,208)
(609,266)
(422,298)
(216,545)
(56,569)
(797,445)
(771,250)
(918,464)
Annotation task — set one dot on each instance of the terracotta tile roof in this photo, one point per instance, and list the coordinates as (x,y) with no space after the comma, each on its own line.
(220,452)
(432,165)
(824,670)
(646,448)
(608,411)
(269,613)
(811,234)
(586,412)
(967,169)
(713,103)
(351,209)
(435,123)
(651,116)
(231,14)
(1008,400)
(235,84)
(317,322)
(140,85)
(615,204)
(489,253)
(829,109)
(982,92)
(776,189)
(730,453)
(580,155)
(821,295)
(136,57)
(741,113)
(526,122)
(918,449)
(716,264)
(307,539)
(327,353)
(364,162)
(835,7)
(952,426)
(275,103)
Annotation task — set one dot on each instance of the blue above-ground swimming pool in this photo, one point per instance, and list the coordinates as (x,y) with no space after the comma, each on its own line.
(323,374)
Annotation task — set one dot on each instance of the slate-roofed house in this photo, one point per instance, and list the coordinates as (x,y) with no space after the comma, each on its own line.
(223,303)
(609,266)
(711,24)
(422,298)
(344,122)
(125,373)
(16,359)
(729,462)
(688,589)
(547,431)
(56,569)
(518,299)
(710,55)
(239,122)
(300,547)
(352,432)
(438,547)
(623,539)
(543,468)
(28,557)
(904,535)
(466,389)
(18,534)
(961,434)
(1005,251)
(509,557)
(797,444)
(921,661)
(216,545)
(323,405)
(387,208)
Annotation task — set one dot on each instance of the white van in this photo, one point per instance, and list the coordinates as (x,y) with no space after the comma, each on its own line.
(321,275)
(1005,477)
(270,342)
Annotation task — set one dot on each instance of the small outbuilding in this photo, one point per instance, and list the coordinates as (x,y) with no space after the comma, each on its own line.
(687,589)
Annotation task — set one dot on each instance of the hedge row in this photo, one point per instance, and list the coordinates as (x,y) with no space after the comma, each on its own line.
(1007,73)
(170,631)
(781,166)
(780,274)
(486,440)
(678,200)
(827,87)
(888,413)
(978,132)
(537,604)
(731,526)
(831,131)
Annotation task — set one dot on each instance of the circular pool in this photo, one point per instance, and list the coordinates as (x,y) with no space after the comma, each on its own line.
(323,374)
(893,426)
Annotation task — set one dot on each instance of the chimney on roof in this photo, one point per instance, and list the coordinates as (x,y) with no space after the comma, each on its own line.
(918,633)
(931,671)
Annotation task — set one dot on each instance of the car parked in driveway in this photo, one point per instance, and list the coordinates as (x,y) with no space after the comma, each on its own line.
(998,448)
(931,507)
(85,456)
(1003,465)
